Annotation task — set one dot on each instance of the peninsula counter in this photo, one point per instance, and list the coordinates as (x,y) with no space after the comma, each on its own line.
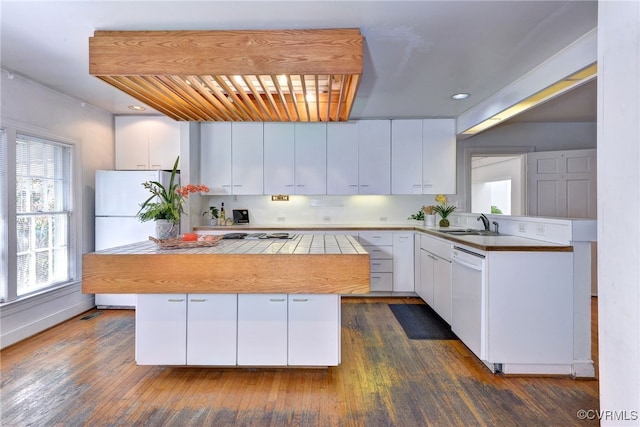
(271,302)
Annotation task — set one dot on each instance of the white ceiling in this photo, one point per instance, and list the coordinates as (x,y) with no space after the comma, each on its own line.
(416,54)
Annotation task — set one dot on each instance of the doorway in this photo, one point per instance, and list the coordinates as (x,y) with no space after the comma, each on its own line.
(498,184)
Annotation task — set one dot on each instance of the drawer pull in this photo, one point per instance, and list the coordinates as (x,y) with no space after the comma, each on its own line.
(375,277)
(198,300)
(300,299)
(176,300)
(375,263)
(276,299)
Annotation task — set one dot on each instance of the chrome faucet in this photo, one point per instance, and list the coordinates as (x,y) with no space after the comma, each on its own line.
(497,226)
(485,221)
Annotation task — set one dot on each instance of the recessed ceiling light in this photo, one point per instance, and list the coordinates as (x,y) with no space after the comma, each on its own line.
(460,96)
(136,108)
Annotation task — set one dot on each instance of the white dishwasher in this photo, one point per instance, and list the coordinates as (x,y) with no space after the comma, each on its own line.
(468,316)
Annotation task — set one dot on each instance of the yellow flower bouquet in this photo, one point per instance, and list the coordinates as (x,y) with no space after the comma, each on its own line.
(443,209)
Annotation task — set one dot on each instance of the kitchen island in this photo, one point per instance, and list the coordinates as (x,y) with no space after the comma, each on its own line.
(267,302)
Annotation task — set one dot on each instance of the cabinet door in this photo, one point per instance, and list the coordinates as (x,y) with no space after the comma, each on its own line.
(342,158)
(311,158)
(279,158)
(406,156)
(403,254)
(426,277)
(442,288)
(314,330)
(246,158)
(212,329)
(262,329)
(374,156)
(132,143)
(161,329)
(439,156)
(215,157)
(164,142)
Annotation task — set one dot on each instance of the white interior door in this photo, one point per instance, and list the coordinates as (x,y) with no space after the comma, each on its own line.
(562,183)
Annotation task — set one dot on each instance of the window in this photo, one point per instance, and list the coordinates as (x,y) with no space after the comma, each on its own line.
(43,211)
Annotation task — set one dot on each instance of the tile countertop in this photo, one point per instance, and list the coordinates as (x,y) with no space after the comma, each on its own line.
(502,242)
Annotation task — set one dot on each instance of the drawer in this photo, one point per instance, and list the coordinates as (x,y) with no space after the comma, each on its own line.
(379,252)
(441,248)
(381,266)
(375,238)
(382,282)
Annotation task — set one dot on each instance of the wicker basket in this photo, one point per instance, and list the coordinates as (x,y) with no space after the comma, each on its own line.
(178,243)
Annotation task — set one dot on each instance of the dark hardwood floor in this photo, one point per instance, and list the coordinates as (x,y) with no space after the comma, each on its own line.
(82,373)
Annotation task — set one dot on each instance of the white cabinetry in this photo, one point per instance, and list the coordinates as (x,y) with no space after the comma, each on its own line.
(403,268)
(424,156)
(342,158)
(161,329)
(439,156)
(379,244)
(181,329)
(374,156)
(435,275)
(146,142)
(406,155)
(247,158)
(231,158)
(310,158)
(279,159)
(211,329)
(262,329)
(215,157)
(314,330)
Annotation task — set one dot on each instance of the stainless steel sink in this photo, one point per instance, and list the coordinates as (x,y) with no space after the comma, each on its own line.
(469,232)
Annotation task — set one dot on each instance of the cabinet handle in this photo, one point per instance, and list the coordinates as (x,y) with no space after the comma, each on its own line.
(226,185)
(300,299)
(375,277)
(237,185)
(353,185)
(375,263)
(364,185)
(289,185)
(299,185)
(417,185)
(141,166)
(156,166)
(175,299)
(198,300)
(276,299)
(403,237)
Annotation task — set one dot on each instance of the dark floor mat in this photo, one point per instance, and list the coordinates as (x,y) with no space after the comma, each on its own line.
(420,322)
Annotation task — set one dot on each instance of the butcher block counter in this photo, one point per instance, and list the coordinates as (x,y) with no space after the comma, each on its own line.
(322,264)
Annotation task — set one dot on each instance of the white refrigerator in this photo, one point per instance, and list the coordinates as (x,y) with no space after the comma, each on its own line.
(119,195)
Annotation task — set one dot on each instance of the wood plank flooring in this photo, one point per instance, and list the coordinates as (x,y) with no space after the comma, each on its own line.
(82,373)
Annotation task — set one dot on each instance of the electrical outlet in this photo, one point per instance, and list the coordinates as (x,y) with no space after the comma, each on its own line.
(281,219)
(541,230)
(383,218)
(522,228)
(327,218)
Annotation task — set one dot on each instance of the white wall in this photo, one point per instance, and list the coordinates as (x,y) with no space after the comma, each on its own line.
(30,107)
(619,211)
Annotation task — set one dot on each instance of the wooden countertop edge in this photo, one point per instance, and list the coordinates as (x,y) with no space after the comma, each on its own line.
(549,247)
(225,273)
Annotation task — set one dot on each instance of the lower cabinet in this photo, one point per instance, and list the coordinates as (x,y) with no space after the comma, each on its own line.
(314,330)
(211,329)
(244,329)
(161,329)
(435,275)
(262,329)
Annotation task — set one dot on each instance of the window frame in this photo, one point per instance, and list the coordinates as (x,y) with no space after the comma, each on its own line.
(8,281)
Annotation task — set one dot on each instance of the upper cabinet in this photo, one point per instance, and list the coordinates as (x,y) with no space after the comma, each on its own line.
(374,157)
(246,158)
(310,158)
(342,158)
(231,156)
(439,156)
(145,142)
(279,159)
(215,157)
(424,156)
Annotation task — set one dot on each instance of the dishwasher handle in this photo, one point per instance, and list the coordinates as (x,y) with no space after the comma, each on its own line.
(466,264)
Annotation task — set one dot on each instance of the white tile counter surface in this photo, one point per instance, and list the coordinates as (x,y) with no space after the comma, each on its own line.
(301,244)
